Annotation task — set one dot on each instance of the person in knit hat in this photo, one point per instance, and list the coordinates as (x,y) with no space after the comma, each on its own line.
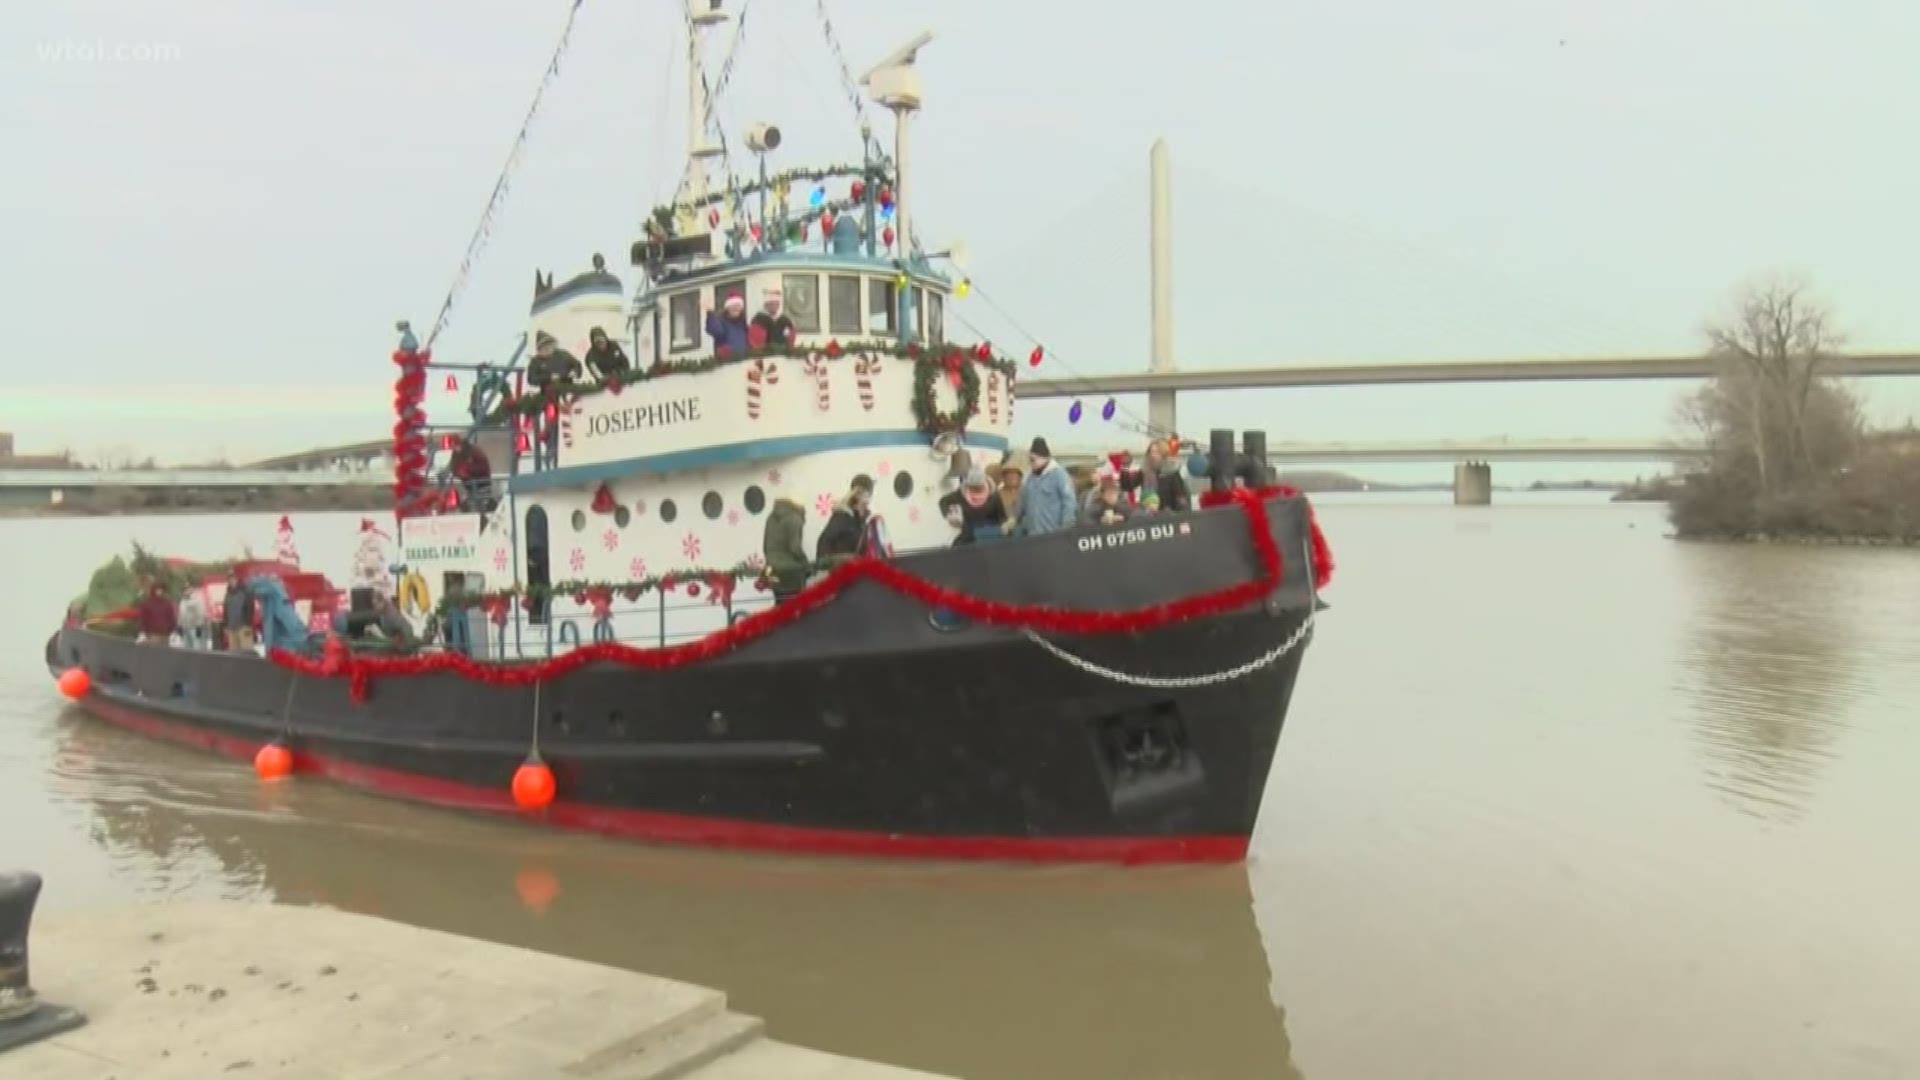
(973,508)
(552,366)
(1046,499)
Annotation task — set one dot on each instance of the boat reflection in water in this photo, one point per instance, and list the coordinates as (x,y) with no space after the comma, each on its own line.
(973,970)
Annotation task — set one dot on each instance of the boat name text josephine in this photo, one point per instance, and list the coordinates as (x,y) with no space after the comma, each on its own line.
(639,417)
(1134,536)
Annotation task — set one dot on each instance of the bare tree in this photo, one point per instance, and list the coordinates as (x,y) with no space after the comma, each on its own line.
(1770,401)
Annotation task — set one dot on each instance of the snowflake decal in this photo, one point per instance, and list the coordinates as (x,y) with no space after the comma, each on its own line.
(824,504)
(733,517)
(755,562)
(610,539)
(639,506)
(913,514)
(773,476)
(885,470)
(637,569)
(690,545)
(577,559)
(500,560)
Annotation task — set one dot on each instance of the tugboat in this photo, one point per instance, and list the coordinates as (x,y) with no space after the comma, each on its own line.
(604,647)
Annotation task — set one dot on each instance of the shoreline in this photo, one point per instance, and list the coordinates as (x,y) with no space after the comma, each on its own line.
(1800,539)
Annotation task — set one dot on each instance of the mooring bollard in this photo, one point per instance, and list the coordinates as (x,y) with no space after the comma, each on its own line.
(23,1016)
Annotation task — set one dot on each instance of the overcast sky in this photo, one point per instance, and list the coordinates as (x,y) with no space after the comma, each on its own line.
(212,212)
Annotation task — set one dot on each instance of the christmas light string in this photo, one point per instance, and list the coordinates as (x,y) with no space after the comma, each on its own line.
(1047,351)
(484,230)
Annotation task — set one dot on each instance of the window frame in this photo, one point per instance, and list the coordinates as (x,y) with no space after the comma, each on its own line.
(889,310)
(812,281)
(859,321)
(675,343)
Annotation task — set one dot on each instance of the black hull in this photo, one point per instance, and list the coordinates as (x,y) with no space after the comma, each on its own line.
(862,728)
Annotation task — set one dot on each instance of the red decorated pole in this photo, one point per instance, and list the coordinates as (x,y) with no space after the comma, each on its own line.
(409,439)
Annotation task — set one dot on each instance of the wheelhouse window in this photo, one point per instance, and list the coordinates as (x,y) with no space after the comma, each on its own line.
(936,317)
(683,319)
(801,292)
(737,287)
(843,305)
(880,306)
(919,313)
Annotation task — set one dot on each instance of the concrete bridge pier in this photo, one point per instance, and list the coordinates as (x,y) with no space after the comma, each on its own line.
(1473,484)
(1160,413)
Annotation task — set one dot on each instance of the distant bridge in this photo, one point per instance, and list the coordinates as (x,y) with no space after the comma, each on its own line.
(49,479)
(1458,452)
(1587,369)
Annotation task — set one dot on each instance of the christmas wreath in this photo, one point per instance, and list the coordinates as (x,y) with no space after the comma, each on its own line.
(966,382)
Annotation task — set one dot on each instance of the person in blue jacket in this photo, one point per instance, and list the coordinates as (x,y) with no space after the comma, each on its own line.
(1046,500)
(728,326)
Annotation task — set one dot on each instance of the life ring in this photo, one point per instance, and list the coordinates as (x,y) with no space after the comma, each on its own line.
(412,594)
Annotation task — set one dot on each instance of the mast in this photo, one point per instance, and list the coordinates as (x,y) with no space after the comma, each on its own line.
(895,84)
(702,16)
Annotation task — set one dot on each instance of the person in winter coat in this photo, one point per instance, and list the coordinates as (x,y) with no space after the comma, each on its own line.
(1108,506)
(237,614)
(1160,476)
(774,327)
(552,366)
(845,530)
(1010,473)
(156,616)
(193,620)
(728,326)
(973,507)
(605,358)
(785,552)
(1046,498)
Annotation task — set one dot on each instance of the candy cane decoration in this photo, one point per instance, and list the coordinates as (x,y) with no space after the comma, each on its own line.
(566,425)
(761,371)
(993,395)
(864,369)
(816,366)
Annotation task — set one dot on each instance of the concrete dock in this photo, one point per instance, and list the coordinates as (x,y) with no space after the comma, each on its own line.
(198,990)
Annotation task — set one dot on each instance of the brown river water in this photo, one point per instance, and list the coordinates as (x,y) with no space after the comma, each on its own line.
(1558,797)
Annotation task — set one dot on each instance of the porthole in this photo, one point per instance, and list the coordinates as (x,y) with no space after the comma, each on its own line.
(579,521)
(711,505)
(621,516)
(903,483)
(668,511)
(755,499)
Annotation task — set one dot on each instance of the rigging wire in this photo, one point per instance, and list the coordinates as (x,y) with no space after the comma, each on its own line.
(847,81)
(1074,375)
(484,230)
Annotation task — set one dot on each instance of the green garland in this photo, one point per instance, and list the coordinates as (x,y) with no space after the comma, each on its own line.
(928,416)
(873,174)
(536,402)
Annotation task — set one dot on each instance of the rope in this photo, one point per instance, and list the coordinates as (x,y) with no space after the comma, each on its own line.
(484,229)
(847,82)
(1139,423)
(1179,682)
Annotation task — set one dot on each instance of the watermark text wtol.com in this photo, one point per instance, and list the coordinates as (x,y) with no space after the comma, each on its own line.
(105,51)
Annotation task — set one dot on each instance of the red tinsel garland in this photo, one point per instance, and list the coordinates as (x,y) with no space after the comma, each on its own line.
(409,443)
(361,670)
(1322,551)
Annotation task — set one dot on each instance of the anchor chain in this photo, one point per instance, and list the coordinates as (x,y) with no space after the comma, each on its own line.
(1179,682)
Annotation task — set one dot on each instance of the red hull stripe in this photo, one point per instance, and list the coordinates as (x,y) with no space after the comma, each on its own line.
(686,829)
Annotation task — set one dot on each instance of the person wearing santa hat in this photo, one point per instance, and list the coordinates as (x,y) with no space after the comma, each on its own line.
(774,327)
(728,326)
